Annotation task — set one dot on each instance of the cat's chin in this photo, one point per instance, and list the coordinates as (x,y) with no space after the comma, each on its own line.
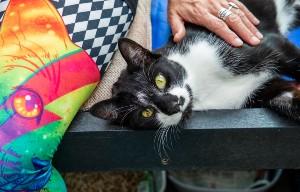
(176,119)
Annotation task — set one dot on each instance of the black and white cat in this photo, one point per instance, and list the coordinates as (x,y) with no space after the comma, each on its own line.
(203,72)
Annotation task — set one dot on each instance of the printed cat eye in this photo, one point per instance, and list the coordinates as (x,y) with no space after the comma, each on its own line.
(148,113)
(27,103)
(160,81)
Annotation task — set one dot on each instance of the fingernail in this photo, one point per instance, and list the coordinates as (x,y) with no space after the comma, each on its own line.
(256,21)
(259,35)
(254,40)
(237,42)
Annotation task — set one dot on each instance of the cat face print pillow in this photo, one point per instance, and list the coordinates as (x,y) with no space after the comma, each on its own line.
(44,79)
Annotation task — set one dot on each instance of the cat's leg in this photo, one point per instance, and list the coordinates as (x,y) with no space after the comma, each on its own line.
(55,184)
(283,97)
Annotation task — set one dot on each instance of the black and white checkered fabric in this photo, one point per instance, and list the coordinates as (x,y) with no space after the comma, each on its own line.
(94,25)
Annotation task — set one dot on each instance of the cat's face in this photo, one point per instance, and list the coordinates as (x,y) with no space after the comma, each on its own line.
(151,93)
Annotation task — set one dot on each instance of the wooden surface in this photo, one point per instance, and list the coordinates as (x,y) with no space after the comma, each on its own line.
(226,139)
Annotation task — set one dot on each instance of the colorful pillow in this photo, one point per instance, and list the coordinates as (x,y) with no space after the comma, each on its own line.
(44,79)
(94,25)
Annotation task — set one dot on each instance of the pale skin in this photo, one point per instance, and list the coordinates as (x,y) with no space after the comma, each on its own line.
(236,29)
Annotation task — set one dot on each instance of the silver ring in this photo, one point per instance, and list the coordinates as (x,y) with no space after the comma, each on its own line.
(224,13)
(232,5)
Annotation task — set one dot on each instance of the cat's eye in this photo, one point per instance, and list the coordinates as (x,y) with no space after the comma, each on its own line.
(148,113)
(160,81)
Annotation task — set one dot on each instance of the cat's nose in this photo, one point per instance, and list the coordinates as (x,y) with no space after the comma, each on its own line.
(181,101)
(168,104)
(173,106)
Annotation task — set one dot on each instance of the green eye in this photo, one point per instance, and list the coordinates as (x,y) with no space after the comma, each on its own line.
(147,113)
(160,81)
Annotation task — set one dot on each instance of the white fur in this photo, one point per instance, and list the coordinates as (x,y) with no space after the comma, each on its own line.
(285,15)
(168,120)
(141,97)
(212,85)
(183,92)
(287,95)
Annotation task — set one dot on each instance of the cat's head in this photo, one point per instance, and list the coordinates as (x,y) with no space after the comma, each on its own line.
(151,93)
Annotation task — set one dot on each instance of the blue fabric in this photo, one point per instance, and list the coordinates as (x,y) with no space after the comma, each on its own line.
(161,30)
(294,36)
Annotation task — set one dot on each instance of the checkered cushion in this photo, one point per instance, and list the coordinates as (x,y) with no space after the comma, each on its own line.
(94,25)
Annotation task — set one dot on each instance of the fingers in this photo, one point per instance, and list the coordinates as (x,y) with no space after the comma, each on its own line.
(241,25)
(246,11)
(220,28)
(237,25)
(249,24)
(177,27)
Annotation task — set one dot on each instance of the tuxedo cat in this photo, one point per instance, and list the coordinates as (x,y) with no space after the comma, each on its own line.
(202,72)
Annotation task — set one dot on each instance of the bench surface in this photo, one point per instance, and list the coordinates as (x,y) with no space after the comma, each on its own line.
(217,139)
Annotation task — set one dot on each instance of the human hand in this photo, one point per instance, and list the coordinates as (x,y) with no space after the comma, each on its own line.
(238,26)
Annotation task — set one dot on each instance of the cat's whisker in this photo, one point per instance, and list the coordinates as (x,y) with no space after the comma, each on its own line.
(150,68)
(117,109)
(174,134)
(160,143)
(291,60)
(126,115)
(166,147)
(144,72)
(160,140)
(164,138)
(169,143)
(170,138)
(157,133)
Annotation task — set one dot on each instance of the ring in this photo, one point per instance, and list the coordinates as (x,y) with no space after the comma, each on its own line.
(224,13)
(232,5)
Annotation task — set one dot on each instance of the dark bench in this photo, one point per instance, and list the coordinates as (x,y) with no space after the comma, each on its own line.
(226,139)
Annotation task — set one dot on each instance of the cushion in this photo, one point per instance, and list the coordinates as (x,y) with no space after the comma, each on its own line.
(94,25)
(139,31)
(44,79)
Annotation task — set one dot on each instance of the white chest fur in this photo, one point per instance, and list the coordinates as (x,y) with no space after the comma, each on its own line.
(212,85)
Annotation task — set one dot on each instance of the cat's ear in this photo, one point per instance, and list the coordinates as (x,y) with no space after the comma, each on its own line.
(135,55)
(106,109)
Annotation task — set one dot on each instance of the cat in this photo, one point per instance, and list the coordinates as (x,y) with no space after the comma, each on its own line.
(160,89)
